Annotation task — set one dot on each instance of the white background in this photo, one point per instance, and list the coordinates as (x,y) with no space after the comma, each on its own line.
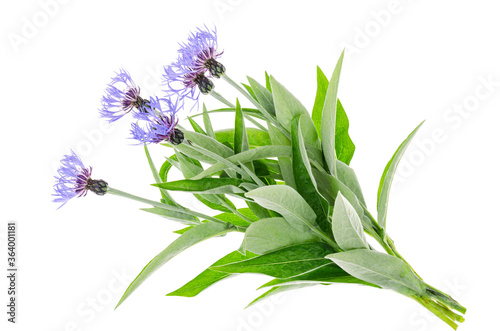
(418,62)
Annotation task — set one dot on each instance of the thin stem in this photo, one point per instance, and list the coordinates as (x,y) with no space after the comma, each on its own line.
(167,207)
(445,299)
(436,311)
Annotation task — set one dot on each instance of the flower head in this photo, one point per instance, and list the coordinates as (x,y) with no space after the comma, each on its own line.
(74,180)
(159,123)
(197,61)
(122,95)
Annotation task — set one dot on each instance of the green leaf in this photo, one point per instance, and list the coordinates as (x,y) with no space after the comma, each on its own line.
(186,229)
(344,147)
(347,176)
(196,127)
(209,277)
(327,274)
(156,175)
(347,227)
(184,218)
(233,219)
(208,143)
(288,202)
(329,186)
(247,111)
(273,233)
(287,107)
(284,263)
(256,137)
(249,90)
(251,155)
(240,133)
(195,235)
(165,168)
(388,176)
(304,179)
(381,269)
(285,163)
(204,185)
(319,101)
(207,123)
(212,202)
(268,83)
(277,290)
(263,96)
(328,119)
(190,167)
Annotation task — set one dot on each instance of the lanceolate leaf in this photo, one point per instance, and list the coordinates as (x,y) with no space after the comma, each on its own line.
(207,123)
(208,143)
(319,101)
(195,235)
(204,185)
(388,176)
(184,218)
(304,179)
(286,167)
(209,277)
(287,107)
(381,269)
(263,95)
(251,155)
(273,233)
(346,226)
(284,263)
(196,127)
(256,137)
(276,290)
(288,202)
(344,147)
(327,274)
(240,133)
(328,119)
(347,176)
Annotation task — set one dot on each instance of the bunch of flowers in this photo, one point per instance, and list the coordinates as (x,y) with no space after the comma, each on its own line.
(306,219)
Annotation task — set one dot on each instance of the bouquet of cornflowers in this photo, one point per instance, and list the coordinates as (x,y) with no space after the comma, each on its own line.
(305,221)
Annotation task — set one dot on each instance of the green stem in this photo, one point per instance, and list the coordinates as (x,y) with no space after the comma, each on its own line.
(435,310)
(167,207)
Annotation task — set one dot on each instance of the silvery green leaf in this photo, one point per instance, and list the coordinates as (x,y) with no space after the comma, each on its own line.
(264,97)
(286,168)
(388,176)
(381,269)
(287,262)
(328,119)
(195,235)
(288,202)
(207,123)
(273,233)
(347,176)
(287,107)
(346,226)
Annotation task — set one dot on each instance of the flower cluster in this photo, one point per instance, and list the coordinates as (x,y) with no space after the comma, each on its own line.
(156,118)
(196,62)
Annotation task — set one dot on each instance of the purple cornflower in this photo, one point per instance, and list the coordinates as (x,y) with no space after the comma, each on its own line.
(159,124)
(74,180)
(196,61)
(121,97)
